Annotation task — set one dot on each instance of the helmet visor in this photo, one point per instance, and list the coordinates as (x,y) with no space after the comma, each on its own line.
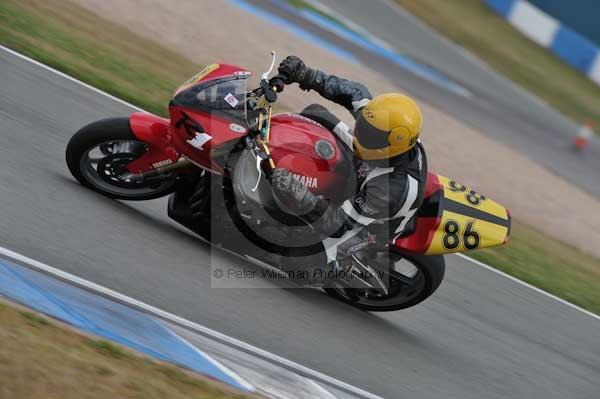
(369,136)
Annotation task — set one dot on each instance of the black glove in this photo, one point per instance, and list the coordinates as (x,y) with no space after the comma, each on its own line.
(294,195)
(292,70)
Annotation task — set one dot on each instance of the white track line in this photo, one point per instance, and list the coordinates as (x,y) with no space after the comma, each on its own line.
(94,89)
(536,289)
(72,79)
(161,314)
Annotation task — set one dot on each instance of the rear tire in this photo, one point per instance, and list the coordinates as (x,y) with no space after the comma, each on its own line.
(103,133)
(431,270)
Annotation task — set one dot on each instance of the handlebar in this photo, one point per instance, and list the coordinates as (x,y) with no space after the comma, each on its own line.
(270,88)
(262,124)
(278,83)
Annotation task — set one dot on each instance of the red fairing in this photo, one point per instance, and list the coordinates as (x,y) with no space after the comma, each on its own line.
(293,142)
(225,70)
(428,220)
(197,130)
(155,132)
(220,130)
(297,143)
(432,185)
(419,241)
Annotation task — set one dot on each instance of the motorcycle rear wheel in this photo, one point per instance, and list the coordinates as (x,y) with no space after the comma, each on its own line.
(406,290)
(97,156)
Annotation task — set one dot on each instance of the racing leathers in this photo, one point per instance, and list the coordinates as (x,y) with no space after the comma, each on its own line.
(386,193)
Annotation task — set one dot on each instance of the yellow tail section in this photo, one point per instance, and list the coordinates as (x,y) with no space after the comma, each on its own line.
(469,221)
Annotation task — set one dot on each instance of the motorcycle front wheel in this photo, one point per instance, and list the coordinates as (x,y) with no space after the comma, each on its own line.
(98,155)
(412,279)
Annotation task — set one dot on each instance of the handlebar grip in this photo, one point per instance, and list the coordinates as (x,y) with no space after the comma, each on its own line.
(277,83)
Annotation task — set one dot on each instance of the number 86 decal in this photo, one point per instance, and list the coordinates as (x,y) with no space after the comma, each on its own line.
(452,235)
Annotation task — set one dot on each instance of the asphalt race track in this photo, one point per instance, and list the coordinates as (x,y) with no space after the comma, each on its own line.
(481,336)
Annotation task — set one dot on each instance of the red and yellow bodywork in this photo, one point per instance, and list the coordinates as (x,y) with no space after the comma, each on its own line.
(454,218)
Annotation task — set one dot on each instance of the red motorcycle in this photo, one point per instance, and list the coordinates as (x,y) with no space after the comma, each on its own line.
(214,157)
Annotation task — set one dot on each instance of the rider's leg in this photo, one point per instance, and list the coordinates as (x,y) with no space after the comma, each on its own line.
(340,249)
(320,114)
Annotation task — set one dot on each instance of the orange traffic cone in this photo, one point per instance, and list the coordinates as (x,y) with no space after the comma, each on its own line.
(584,135)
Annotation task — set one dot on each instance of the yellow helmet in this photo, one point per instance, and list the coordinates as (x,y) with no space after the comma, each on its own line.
(389,125)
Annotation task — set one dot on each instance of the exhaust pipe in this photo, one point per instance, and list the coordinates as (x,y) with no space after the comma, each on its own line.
(156,173)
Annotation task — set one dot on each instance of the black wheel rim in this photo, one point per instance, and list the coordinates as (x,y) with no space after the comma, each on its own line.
(407,283)
(104,167)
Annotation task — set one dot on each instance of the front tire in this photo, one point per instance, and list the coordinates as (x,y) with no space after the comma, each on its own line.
(97,156)
(404,291)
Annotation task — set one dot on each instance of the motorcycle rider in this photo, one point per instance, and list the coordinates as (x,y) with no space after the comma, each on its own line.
(390,165)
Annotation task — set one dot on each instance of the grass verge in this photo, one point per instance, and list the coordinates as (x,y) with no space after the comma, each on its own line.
(41,358)
(65,36)
(103,54)
(472,25)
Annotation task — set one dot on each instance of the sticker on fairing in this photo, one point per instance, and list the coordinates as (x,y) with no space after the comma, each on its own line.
(160,164)
(231,100)
(234,127)
(199,141)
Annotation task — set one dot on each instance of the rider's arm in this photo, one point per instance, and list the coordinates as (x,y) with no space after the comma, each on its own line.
(351,95)
(347,93)
(382,198)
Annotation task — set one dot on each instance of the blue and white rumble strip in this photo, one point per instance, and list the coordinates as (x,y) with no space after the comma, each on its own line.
(105,318)
(570,46)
